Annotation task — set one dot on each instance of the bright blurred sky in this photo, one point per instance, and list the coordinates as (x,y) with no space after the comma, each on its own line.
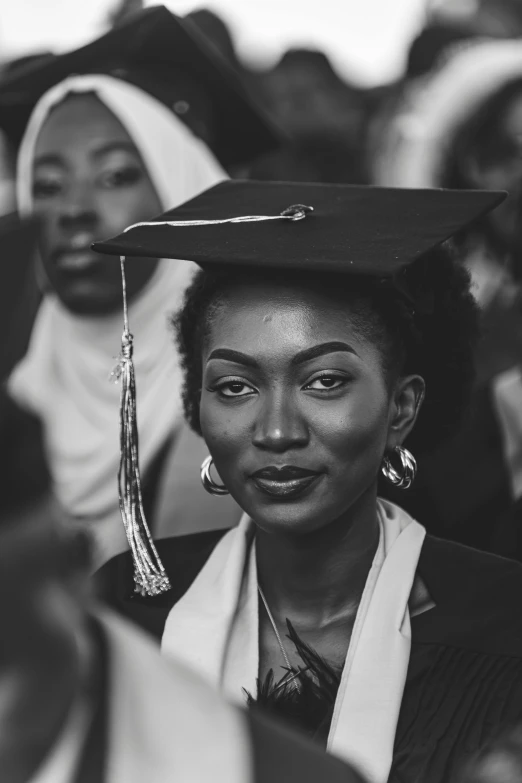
(366,39)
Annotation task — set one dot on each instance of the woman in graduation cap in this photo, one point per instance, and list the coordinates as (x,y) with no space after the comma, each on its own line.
(120,131)
(329,333)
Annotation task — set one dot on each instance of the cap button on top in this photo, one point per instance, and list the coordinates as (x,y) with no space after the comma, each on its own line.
(297,211)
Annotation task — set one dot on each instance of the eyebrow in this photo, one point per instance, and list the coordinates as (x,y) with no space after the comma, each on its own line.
(322,350)
(233,356)
(115,146)
(51,159)
(300,358)
(54,159)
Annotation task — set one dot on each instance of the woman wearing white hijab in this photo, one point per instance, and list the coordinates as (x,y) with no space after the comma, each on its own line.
(64,377)
(153,118)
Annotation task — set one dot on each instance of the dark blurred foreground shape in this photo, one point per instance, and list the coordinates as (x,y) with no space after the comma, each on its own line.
(19,292)
(87,698)
(23,467)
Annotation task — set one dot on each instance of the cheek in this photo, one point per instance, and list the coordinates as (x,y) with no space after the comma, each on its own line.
(354,430)
(120,208)
(226,430)
(48,217)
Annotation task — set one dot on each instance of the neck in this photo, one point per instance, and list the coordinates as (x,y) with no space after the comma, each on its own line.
(319,577)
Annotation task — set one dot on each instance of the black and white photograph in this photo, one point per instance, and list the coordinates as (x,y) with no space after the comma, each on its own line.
(261,391)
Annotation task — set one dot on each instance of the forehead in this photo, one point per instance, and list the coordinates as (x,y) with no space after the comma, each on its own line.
(276,317)
(79,121)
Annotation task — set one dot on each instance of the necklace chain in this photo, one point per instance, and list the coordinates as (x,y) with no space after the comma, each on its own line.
(274,626)
(290,678)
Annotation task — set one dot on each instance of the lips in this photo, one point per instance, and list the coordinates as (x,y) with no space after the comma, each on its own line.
(286,481)
(76,255)
(76,260)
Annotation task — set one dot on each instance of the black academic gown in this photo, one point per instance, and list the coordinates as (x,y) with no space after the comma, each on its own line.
(464,682)
(278,755)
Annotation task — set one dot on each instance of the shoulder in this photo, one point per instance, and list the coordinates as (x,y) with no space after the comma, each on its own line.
(183,557)
(477,598)
(472,570)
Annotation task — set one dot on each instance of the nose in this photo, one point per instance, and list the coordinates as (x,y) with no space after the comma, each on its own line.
(280,425)
(78,209)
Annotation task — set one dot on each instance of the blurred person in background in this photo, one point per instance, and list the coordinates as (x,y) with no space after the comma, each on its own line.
(450,24)
(437,41)
(134,133)
(464,130)
(323,116)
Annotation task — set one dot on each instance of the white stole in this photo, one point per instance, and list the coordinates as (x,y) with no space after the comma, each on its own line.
(215,629)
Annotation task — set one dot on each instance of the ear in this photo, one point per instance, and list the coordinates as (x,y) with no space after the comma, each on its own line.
(407,399)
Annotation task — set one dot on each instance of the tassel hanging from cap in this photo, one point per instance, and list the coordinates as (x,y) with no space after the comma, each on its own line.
(150,577)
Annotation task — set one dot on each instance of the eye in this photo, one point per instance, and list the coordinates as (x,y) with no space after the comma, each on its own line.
(46,186)
(326,382)
(121,177)
(234,388)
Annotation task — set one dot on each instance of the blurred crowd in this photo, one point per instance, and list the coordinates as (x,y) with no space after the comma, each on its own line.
(453,120)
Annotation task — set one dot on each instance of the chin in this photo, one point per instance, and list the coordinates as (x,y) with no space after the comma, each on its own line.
(300,516)
(310,512)
(85,299)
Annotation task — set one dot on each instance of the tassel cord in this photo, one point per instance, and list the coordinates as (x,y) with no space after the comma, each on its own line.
(149,574)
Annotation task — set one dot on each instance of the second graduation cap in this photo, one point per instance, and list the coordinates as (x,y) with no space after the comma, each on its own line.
(169,58)
(352,229)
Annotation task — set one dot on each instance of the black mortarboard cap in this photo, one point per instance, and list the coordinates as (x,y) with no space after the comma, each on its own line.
(171,59)
(354,229)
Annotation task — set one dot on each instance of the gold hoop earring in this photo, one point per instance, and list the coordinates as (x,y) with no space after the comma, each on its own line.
(212,487)
(402,479)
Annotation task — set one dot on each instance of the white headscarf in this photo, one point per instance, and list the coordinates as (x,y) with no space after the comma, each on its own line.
(436,108)
(64,376)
